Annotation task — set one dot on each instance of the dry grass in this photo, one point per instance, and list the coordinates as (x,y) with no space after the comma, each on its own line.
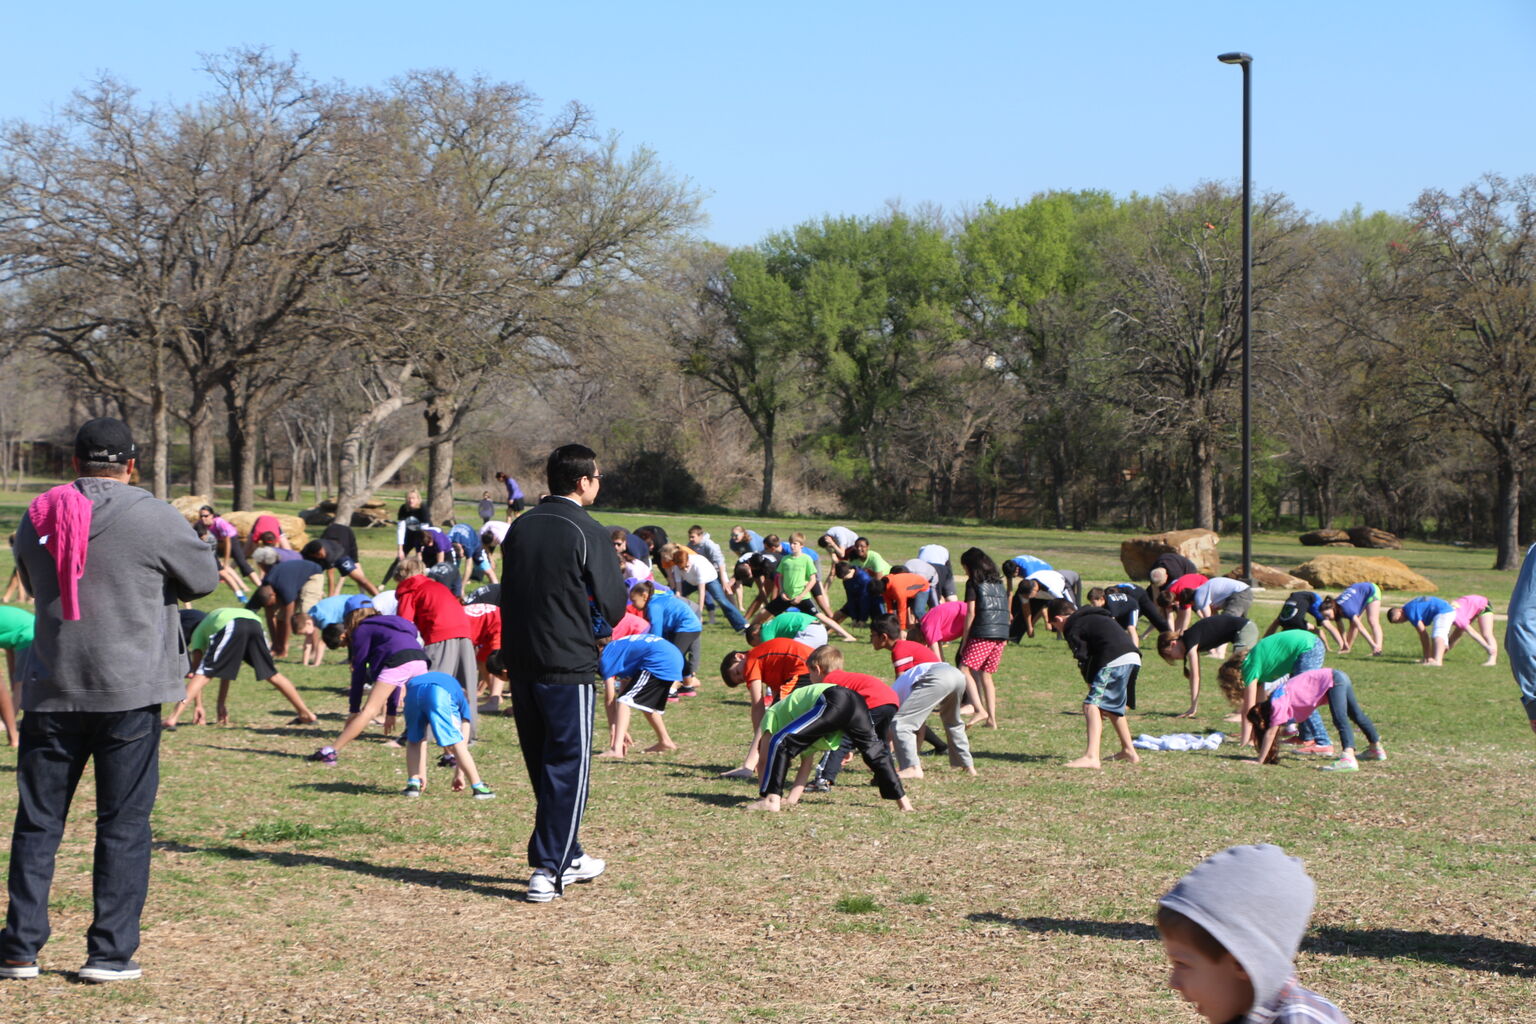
(286,892)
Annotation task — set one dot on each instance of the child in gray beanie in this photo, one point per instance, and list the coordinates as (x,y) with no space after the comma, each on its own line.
(1231,929)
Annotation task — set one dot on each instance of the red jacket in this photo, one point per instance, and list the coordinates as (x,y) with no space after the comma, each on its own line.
(434,609)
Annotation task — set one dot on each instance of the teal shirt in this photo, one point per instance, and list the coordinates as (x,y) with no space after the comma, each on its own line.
(1273,656)
(787,624)
(16,625)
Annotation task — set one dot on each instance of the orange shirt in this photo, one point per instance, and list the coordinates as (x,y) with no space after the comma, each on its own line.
(900,589)
(777,664)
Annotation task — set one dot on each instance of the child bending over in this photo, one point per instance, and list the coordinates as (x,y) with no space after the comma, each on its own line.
(435,701)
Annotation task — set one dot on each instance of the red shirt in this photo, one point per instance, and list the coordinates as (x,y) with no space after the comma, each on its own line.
(266,523)
(1189,581)
(777,664)
(906,654)
(434,609)
(485,628)
(875,691)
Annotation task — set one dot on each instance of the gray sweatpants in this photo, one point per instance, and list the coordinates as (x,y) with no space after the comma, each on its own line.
(940,686)
(457,658)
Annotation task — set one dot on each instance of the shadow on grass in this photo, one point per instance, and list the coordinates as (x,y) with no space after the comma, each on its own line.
(349,788)
(481,885)
(1468,952)
(288,730)
(1014,756)
(717,799)
(257,750)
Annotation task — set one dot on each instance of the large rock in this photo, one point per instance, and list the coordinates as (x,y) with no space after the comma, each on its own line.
(293,526)
(1342,570)
(368,514)
(188,504)
(1331,538)
(1370,537)
(1199,546)
(1269,578)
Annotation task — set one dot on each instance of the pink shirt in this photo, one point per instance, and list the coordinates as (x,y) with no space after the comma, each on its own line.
(221,527)
(1305,692)
(944,622)
(1469,608)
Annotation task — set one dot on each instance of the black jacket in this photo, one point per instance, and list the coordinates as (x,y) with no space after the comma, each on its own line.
(991,597)
(1096,639)
(560,584)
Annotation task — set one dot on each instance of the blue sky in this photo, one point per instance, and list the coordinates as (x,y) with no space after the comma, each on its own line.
(782,113)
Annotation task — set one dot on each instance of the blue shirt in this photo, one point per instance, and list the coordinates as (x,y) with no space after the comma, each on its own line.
(754,542)
(1422,611)
(1353,599)
(466,537)
(670,615)
(628,656)
(1029,563)
(331,610)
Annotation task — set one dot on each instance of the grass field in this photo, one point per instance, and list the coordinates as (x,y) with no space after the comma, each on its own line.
(284,891)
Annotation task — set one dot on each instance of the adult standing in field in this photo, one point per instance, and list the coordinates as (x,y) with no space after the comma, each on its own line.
(515,502)
(560,585)
(107,564)
(1520,635)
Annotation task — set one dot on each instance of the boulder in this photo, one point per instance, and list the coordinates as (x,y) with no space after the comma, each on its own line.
(1370,537)
(1199,546)
(188,504)
(1341,570)
(293,526)
(374,513)
(1319,538)
(1268,578)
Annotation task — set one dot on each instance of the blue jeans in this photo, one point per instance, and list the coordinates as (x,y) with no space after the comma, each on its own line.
(55,746)
(733,615)
(1313,728)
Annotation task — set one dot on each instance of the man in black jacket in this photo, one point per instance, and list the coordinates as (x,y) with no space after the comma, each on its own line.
(1109,663)
(561,589)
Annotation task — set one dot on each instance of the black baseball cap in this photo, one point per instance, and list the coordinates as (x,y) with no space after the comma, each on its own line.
(105,440)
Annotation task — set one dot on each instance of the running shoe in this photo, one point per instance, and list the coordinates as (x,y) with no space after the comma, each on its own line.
(541,887)
(480,791)
(325,755)
(1373,754)
(18,971)
(127,970)
(448,761)
(584,869)
(1314,747)
(413,787)
(1343,764)
(687,691)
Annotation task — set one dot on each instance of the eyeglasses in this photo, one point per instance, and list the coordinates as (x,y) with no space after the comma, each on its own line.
(594,476)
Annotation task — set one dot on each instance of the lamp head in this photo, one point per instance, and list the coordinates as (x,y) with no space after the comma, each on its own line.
(1235,58)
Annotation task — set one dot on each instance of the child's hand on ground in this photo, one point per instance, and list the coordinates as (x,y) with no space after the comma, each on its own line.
(458,780)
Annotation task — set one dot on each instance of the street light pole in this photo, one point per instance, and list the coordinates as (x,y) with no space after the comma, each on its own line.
(1246,62)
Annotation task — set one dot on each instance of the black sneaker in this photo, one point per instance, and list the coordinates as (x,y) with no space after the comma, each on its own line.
(448,761)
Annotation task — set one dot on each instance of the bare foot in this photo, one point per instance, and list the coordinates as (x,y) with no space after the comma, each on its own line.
(1083,762)
(661,748)
(1490,662)
(738,773)
(301,720)
(1128,755)
(914,772)
(992,723)
(223,718)
(611,755)
(970,769)
(388,742)
(199,717)
(762,805)
(1187,714)
(981,719)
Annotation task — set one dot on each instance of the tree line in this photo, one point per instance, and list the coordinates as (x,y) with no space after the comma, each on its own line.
(359,282)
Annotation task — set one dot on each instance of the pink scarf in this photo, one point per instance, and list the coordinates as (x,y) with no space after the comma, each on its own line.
(62,515)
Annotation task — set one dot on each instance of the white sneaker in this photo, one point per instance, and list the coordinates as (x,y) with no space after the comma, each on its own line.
(584,869)
(101,973)
(541,887)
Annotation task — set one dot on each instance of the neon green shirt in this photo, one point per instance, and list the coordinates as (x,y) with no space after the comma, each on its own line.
(16,625)
(1275,655)
(873,563)
(796,704)
(787,624)
(215,621)
(795,574)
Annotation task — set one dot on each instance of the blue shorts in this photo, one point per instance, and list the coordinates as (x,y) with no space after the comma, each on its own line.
(1108,690)
(431,707)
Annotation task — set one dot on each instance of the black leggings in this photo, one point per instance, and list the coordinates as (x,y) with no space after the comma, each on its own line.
(879,720)
(1345,709)
(837,710)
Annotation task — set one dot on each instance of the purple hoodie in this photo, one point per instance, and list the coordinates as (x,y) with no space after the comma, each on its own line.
(380,642)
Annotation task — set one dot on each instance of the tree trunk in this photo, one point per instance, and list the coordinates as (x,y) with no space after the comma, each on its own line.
(765,504)
(200,439)
(160,440)
(1205,484)
(439,459)
(1508,555)
(241,431)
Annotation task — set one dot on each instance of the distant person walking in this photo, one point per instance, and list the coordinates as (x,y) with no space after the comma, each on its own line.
(560,590)
(107,563)
(515,502)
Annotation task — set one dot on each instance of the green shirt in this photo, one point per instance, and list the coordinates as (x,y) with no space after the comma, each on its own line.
(1275,655)
(16,626)
(787,624)
(215,621)
(795,574)
(799,701)
(873,563)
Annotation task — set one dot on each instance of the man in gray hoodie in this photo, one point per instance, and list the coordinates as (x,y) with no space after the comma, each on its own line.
(107,563)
